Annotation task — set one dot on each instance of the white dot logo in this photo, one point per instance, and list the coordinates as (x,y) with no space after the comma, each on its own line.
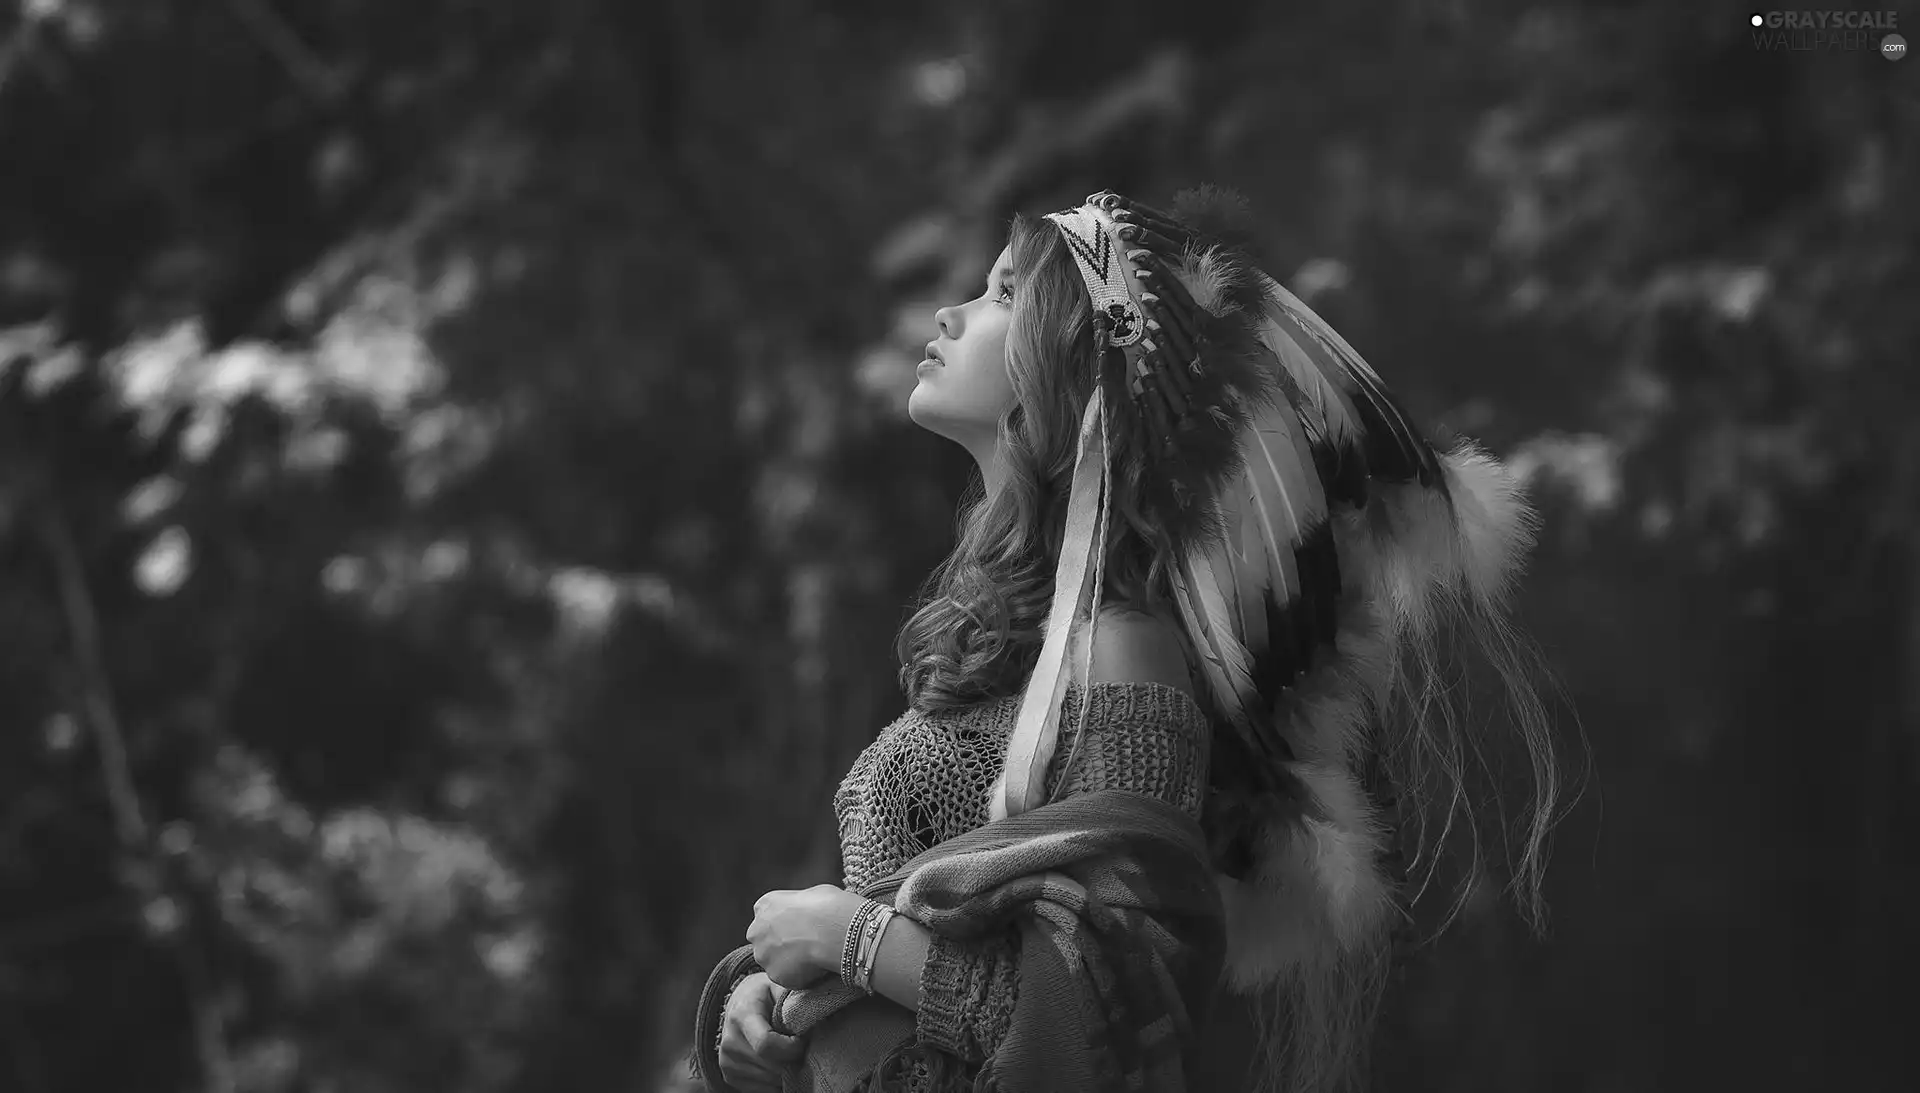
(1758,19)
(1893,47)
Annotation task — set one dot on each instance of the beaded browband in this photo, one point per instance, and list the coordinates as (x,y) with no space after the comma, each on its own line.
(1155,328)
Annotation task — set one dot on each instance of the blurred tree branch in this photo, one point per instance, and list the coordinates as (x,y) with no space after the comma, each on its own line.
(306,70)
(146,872)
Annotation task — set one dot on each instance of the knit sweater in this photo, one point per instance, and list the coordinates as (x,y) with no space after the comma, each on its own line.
(926,779)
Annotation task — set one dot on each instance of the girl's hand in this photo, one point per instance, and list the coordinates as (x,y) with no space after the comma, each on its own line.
(798,936)
(751,1053)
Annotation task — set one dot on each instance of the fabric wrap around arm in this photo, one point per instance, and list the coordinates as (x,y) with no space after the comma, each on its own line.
(710,1013)
(1122,938)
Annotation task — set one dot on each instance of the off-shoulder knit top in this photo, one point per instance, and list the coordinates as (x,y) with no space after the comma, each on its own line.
(926,779)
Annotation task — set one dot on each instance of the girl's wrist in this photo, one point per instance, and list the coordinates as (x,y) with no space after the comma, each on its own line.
(830,946)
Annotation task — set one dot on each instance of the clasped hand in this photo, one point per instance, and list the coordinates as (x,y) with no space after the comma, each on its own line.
(798,935)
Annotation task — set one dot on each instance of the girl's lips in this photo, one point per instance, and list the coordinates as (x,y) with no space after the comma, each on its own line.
(928,363)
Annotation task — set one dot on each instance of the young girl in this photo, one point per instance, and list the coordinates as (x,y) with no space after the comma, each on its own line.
(1172,698)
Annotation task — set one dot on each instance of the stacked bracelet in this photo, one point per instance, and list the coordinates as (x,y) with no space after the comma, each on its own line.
(856,932)
(870,951)
(864,932)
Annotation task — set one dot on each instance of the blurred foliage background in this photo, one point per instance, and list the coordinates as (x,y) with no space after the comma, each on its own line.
(456,499)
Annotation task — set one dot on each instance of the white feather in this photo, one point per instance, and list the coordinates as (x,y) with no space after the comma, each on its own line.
(1316,890)
(1424,549)
(1205,276)
(1318,329)
(1215,616)
(1213,658)
(1281,333)
(1346,847)
(1271,524)
(1497,526)
(1241,574)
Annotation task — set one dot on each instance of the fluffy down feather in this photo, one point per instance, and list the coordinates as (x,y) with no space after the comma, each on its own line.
(1405,553)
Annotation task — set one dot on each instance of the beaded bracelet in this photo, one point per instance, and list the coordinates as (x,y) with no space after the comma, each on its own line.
(856,929)
(872,955)
(867,931)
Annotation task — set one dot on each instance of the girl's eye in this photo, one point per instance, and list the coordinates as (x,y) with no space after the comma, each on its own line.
(1006,293)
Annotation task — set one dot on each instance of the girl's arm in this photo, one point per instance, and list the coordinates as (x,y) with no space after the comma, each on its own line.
(902,959)
(963,992)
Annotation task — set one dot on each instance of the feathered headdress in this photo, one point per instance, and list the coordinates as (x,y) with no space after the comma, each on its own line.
(1316,541)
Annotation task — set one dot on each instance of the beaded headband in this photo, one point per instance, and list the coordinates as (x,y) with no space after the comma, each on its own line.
(1086,230)
(1111,238)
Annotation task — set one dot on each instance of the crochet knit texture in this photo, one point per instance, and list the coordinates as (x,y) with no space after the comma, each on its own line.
(926,778)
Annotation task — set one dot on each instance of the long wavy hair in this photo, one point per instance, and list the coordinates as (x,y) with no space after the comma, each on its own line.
(982,617)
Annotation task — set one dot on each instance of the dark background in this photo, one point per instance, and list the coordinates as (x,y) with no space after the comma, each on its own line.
(456,500)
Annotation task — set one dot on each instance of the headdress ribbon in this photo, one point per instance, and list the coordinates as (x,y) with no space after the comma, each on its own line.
(1089,234)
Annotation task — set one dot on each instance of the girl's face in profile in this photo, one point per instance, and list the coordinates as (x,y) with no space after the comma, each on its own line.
(964,388)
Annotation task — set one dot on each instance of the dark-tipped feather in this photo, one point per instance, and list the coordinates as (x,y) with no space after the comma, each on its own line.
(1396,450)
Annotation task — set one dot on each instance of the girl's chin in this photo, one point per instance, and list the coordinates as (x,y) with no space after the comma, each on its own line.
(923,409)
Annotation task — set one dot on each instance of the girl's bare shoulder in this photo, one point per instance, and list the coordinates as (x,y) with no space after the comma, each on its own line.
(1131,646)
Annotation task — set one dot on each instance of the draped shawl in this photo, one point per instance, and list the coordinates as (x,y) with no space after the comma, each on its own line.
(1122,936)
